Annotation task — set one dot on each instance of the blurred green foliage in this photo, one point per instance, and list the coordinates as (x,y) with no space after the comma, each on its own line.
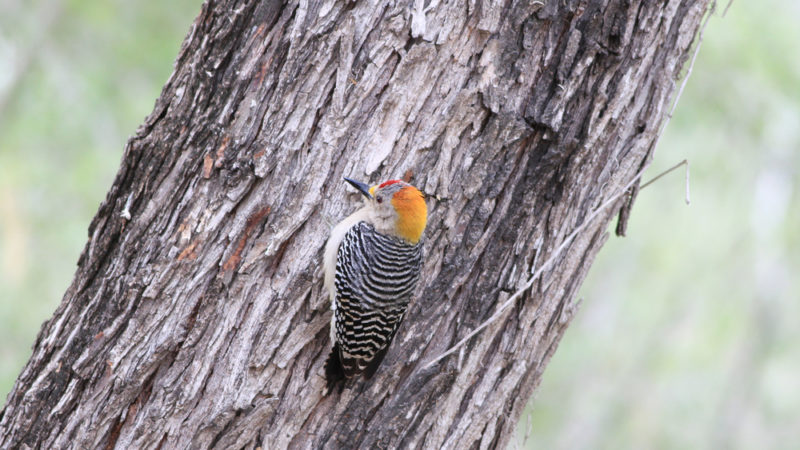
(76,79)
(686,336)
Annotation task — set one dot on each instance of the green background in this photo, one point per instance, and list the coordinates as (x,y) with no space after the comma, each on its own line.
(686,337)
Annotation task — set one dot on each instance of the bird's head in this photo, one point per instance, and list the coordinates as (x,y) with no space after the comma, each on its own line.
(395,208)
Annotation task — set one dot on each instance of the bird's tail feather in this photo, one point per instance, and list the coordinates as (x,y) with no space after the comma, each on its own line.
(334,372)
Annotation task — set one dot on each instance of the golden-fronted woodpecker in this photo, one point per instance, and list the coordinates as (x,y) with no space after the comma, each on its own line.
(372,264)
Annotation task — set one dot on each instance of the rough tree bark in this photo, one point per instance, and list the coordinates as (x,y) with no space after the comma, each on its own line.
(196,317)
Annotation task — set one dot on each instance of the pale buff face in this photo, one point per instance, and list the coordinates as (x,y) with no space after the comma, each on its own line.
(383,214)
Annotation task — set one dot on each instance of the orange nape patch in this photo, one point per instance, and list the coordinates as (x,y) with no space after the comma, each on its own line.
(412,213)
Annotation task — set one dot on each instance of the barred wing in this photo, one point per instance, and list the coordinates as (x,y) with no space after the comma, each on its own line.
(375,278)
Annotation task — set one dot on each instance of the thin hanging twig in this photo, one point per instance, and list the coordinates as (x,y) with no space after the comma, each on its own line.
(685,162)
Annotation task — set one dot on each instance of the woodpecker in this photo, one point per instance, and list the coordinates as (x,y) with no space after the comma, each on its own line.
(372,264)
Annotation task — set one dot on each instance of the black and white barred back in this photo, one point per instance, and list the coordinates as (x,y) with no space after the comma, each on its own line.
(375,278)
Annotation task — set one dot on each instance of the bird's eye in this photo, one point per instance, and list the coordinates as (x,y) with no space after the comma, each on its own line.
(379,199)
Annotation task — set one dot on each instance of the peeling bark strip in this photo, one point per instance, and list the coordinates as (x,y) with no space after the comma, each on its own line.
(199,321)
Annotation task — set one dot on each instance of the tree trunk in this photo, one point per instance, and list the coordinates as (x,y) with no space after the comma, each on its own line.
(196,316)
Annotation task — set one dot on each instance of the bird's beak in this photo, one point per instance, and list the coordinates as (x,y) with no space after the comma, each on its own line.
(363,188)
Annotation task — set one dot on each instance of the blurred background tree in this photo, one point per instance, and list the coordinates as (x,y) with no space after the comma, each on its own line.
(686,334)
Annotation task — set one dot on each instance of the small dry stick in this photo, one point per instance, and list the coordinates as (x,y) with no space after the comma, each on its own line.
(685,162)
(691,66)
(727,7)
